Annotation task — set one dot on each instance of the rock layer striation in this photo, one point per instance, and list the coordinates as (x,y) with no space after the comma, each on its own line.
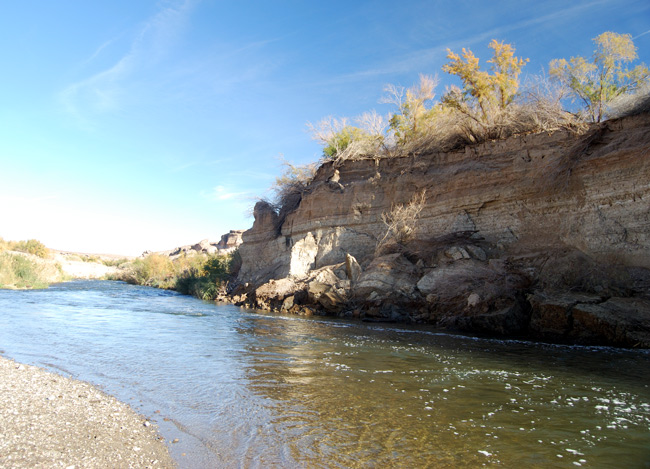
(545,236)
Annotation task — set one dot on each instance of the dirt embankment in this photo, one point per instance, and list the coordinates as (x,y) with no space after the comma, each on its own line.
(47,420)
(543,236)
(87,266)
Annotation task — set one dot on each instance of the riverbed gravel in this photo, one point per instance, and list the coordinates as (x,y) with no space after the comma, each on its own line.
(50,421)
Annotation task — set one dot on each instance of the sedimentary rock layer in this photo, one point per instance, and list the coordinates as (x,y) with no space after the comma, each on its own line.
(500,221)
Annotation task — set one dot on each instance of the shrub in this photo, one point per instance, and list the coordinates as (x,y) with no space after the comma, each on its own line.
(114,262)
(155,270)
(90,258)
(17,271)
(30,246)
(413,110)
(289,188)
(401,222)
(198,275)
(294,179)
(205,282)
(539,106)
(343,141)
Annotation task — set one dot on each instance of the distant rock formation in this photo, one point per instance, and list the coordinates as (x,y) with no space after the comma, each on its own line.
(227,244)
(543,236)
(230,241)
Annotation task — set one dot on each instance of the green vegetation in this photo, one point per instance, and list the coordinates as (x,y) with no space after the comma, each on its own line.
(342,140)
(492,104)
(155,270)
(339,138)
(114,262)
(484,94)
(206,281)
(19,271)
(606,77)
(486,98)
(91,258)
(199,275)
(411,120)
(30,246)
(295,177)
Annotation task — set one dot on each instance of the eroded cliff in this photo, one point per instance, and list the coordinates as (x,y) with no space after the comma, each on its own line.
(544,236)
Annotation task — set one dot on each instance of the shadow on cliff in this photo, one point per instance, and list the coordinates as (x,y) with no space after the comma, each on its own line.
(542,236)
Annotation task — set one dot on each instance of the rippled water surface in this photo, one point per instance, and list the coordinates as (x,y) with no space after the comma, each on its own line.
(244,389)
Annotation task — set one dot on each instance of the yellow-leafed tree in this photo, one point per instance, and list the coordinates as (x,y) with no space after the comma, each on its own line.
(484,94)
(606,76)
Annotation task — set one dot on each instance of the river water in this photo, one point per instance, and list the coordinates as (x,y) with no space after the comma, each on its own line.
(240,388)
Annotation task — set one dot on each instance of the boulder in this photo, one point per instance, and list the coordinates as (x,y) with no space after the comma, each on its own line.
(476,252)
(386,276)
(511,320)
(276,289)
(287,304)
(617,321)
(352,268)
(457,253)
(453,277)
(551,313)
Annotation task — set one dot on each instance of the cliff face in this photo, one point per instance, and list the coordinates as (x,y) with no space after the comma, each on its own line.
(507,231)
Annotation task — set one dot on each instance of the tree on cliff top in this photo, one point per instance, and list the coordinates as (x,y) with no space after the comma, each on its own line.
(413,111)
(484,94)
(599,81)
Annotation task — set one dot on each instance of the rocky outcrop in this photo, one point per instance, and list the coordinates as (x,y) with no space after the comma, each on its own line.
(590,319)
(506,231)
(228,243)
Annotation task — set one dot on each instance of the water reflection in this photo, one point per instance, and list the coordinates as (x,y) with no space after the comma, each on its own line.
(254,390)
(350,396)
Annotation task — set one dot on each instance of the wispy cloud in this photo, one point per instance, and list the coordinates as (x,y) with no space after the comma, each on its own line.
(222,193)
(413,62)
(105,90)
(99,50)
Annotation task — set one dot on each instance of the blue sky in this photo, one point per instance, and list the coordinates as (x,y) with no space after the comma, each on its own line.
(127,126)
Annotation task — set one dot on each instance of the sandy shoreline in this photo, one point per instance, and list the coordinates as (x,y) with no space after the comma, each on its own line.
(47,420)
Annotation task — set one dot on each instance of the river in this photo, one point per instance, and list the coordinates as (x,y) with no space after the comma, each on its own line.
(240,388)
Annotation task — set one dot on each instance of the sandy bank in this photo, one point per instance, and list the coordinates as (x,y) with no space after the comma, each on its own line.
(47,420)
(86,270)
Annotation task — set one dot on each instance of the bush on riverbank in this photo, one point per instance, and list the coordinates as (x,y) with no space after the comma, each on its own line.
(206,282)
(31,246)
(198,275)
(19,271)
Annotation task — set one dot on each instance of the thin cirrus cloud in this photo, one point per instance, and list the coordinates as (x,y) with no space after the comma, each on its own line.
(222,193)
(105,91)
(414,60)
